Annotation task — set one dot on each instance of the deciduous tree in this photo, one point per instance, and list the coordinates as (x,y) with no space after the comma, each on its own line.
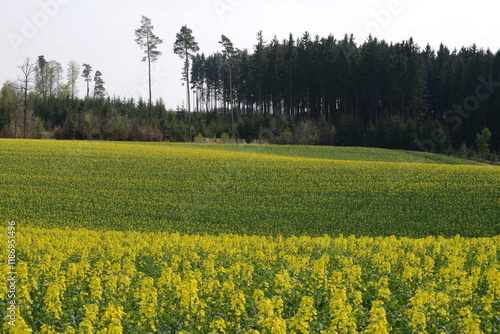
(72,76)
(28,68)
(482,141)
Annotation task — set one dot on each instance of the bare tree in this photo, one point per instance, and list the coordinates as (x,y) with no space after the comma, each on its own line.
(72,75)
(28,69)
(57,72)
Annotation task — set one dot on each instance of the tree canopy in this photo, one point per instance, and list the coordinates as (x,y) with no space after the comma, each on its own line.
(325,89)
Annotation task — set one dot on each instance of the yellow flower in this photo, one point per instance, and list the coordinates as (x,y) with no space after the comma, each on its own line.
(306,313)
(17,327)
(218,325)
(378,322)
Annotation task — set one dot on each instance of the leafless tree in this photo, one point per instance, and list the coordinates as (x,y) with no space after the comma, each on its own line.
(28,69)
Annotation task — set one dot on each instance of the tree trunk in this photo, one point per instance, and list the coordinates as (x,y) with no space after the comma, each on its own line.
(25,106)
(231,99)
(188,99)
(15,130)
(150,107)
(291,99)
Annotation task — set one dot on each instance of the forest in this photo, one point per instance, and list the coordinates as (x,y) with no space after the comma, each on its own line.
(307,90)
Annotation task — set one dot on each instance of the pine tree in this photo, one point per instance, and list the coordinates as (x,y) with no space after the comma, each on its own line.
(149,42)
(87,75)
(185,46)
(229,52)
(99,86)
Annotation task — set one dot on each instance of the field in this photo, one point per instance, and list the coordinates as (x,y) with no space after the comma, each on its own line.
(138,238)
(254,190)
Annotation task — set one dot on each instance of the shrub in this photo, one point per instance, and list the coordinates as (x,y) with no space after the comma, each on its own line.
(285,138)
(224,137)
(306,133)
(38,128)
(464,152)
(482,142)
(199,138)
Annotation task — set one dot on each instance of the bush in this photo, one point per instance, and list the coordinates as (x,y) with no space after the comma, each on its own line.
(38,128)
(285,138)
(224,137)
(482,142)
(490,157)
(349,132)
(464,152)
(306,133)
(248,129)
(199,138)
(156,135)
(371,135)
(266,134)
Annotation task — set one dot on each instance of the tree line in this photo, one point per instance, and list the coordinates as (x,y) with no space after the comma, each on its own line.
(312,90)
(393,95)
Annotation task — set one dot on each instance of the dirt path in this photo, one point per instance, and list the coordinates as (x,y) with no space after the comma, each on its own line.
(482,164)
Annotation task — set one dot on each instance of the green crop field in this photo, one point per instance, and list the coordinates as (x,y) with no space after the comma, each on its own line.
(117,238)
(246,189)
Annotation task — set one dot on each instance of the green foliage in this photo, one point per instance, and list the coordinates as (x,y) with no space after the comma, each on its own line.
(350,132)
(87,75)
(148,41)
(482,142)
(306,133)
(199,138)
(185,46)
(99,89)
(373,93)
(224,137)
(5,106)
(38,128)
(285,138)
(464,151)
(249,127)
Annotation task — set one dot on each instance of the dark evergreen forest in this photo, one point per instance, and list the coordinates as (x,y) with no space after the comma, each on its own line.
(309,90)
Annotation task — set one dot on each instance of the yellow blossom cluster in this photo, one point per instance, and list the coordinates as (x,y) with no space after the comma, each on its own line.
(124,282)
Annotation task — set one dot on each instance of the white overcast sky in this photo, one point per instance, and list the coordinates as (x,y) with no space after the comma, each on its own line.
(101,32)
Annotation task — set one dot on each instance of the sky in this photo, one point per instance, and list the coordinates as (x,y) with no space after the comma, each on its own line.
(101,32)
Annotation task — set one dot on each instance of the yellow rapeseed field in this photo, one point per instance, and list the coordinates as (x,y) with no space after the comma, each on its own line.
(82,281)
(182,238)
(201,189)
